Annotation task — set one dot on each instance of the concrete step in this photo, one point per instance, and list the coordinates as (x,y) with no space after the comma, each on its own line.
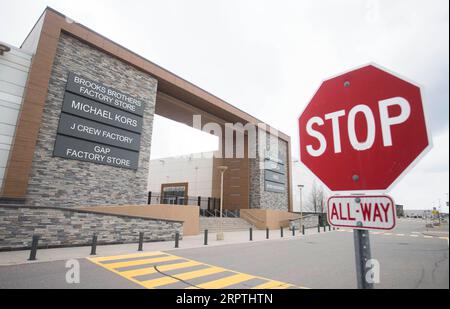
(228,224)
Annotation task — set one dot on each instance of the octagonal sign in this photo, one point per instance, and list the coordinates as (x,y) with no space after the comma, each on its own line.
(363,130)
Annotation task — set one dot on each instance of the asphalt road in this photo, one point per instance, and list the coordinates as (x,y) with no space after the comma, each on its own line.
(53,276)
(323,261)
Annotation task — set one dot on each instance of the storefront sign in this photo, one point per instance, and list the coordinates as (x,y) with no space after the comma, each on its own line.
(275,177)
(274,174)
(80,106)
(274,167)
(99,125)
(101,93)
(93,131)
(275,187)
(77,149)
(276,159)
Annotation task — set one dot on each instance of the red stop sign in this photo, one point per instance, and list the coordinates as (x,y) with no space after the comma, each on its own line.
(363,130)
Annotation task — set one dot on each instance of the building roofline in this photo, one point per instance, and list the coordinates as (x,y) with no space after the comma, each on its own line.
(281,134)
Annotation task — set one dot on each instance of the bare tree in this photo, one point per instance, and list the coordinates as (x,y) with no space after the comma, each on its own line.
(317,198)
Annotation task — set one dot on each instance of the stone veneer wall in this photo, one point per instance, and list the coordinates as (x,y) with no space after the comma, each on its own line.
(64,227)
(259,198)
(65,183)
(309,221)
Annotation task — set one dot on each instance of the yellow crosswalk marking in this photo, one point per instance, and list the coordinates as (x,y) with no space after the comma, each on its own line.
(128,256)
(151,284)
(200,273)
(179,263)
(428,237)
(225,282)
(272,285)
(163,268)
(284,286)
(142,262)
(401,235)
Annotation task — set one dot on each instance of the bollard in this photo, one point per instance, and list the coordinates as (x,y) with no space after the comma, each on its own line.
(94,245)
(282,232)
(251,234)
(206,238)
(318,229)
(303,229)
(177,240)
(293,231)
(329,228)
(34,247)
(324,228)
(141,242)
(149,200)
(267,234)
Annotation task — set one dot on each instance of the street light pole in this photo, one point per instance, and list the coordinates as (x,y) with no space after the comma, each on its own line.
(301,205)
(220,235)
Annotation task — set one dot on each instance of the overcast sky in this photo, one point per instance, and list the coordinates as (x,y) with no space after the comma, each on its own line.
(269,57)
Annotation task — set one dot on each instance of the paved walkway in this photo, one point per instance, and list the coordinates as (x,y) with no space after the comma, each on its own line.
(188,242)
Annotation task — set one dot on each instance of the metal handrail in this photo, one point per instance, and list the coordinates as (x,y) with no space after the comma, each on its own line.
(252,217)
(216,213)
(253,220)
(304,217)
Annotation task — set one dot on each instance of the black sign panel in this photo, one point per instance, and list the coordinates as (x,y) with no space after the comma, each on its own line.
(80,106)
(275,187)
(77,149)
(274,167)
(101,93)
(275,177)
(280,159)
(96,132)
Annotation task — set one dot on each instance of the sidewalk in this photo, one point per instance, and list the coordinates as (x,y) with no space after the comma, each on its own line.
(188,242)
(437,231)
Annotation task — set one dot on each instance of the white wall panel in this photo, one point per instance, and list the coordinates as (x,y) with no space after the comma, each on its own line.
(9,98)
(11,88)
(30,44)
(7,130)
(197,170)
(14,68)
(13,75)
(8,116)
(19,57)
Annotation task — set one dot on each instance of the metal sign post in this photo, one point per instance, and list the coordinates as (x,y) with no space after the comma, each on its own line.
(362,256)
(362,213)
